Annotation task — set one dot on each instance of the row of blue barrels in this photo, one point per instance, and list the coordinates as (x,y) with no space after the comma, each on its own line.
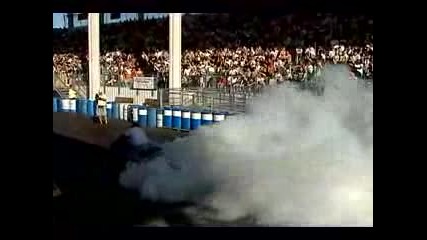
(167,117)
(88,107)
(186,119)
(83,106)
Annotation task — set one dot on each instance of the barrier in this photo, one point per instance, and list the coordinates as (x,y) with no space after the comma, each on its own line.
(142,116)
(167,117)
(65,105)
(91,108)
(84,106)
(115,111)
(121,111)
(159,118)
(231,116)
(152,116)
(207,118)
(55,104)
(81,106)
(73,107)
(125,112)
(196,120)
(218,117)
(135,113)
(185,120)
(59,103)
(176,118)
(109,109)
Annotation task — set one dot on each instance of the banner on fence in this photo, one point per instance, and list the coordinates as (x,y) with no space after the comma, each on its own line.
(144,83)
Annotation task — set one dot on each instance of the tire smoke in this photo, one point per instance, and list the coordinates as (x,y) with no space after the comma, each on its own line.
(294,159)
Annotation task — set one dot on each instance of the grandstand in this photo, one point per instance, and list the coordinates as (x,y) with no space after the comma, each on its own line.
(220,51)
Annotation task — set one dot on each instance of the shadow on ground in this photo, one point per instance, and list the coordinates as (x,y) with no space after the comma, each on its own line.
(87,176)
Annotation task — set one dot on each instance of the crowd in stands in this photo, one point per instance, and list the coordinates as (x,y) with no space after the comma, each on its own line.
(223,49)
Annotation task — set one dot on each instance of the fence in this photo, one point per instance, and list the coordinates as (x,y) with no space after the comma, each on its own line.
(218,100)
(139,96)
(111,88)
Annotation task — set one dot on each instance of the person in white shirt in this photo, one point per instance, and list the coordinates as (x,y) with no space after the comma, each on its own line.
(71,93)
(101,106)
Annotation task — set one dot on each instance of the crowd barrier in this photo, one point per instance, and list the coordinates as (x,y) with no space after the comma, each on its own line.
(167,117)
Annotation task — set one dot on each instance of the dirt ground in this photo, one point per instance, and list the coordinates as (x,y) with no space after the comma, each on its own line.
(86,191)
(82,167)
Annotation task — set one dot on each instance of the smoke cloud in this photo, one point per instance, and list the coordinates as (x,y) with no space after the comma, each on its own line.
(294,159)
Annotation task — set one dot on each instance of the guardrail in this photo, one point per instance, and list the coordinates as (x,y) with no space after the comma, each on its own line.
(212,99)
(179,118)
(59,85)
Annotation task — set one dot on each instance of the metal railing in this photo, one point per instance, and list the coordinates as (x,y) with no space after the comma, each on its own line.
(62,83)
(204,99)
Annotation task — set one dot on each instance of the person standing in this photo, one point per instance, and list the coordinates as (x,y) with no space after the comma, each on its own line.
(72,94)
(101,105)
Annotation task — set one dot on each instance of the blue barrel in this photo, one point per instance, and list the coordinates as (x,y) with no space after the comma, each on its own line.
(90,108)
(196,120)
(109,109)
(115,111)
(218,117)
(226,115)
(65,105)
(231,116)
(185,119)
(59,104)
(134,113)
(142,116)
(126,112)
(176,118)
(152,117)
(207,118)
(79,106)
(55,105)
(123,111)
(73,105)
(159,117)
(167,117)
(82,106)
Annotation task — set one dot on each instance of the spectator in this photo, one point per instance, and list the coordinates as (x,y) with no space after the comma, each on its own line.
(220,50)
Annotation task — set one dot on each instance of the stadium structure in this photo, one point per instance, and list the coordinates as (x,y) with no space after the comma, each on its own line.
(75,20)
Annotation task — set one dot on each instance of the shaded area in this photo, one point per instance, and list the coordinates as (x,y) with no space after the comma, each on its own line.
(86,173)
(87,176)
(82,128)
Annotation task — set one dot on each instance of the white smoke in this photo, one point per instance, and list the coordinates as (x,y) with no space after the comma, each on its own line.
(294,159)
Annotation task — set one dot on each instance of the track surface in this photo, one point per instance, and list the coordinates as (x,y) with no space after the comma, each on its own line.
(83,129)
(86,175)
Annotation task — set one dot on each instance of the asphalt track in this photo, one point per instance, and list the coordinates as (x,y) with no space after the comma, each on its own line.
(86,174)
